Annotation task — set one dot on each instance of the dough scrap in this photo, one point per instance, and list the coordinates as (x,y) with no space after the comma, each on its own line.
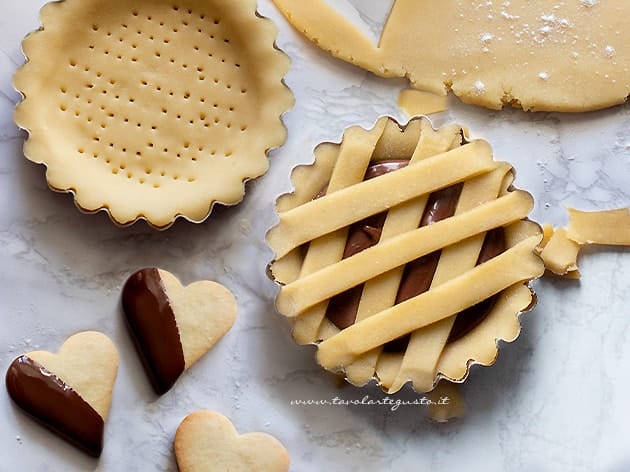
(600,227)
(417,102)
(559,253)
(540,55)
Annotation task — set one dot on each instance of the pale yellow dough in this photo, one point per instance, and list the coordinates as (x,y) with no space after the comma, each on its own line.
(204,311)
(152,109)
(600,227)
(88,363)
(447,402)
(417,102)
(540,55)
(559,253)
(206,441)
(310,265)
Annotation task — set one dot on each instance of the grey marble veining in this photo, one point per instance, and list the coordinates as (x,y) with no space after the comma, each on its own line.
(555,401)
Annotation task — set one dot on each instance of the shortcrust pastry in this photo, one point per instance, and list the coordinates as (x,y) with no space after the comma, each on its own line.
(404,253)
(541,55)
(152,109)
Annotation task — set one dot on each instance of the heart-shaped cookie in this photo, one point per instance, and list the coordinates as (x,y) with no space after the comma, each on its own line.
(173,326)
(207,441)
(69,392)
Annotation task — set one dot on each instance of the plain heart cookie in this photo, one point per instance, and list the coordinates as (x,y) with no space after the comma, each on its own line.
(69,392)
(207,441)
(171,325)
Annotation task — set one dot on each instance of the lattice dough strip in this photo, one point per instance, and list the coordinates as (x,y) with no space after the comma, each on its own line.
(399,250)
(501,323)
(308,181)
(380,293)
(352,204)
(353,160)
(514,265)
(424,347)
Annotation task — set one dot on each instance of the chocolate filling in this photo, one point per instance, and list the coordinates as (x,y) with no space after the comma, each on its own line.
(153,328)
(418,274)
(55,404)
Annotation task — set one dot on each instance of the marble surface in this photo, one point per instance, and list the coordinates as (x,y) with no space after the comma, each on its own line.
(555,400)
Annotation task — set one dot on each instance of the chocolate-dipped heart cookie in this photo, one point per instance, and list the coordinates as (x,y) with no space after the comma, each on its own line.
(69,392)
(173,326)
(207,441)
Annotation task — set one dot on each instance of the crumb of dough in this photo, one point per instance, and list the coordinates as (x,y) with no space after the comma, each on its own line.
(447,402)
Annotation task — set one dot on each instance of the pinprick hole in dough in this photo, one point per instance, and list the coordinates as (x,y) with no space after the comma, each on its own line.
(228,154)
(63,107)
(115,171)
(81,151)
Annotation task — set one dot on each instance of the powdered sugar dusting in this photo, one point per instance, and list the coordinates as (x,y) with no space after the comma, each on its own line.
(480,87)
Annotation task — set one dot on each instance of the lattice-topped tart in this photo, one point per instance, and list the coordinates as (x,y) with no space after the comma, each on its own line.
(404,253)
(152,109)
